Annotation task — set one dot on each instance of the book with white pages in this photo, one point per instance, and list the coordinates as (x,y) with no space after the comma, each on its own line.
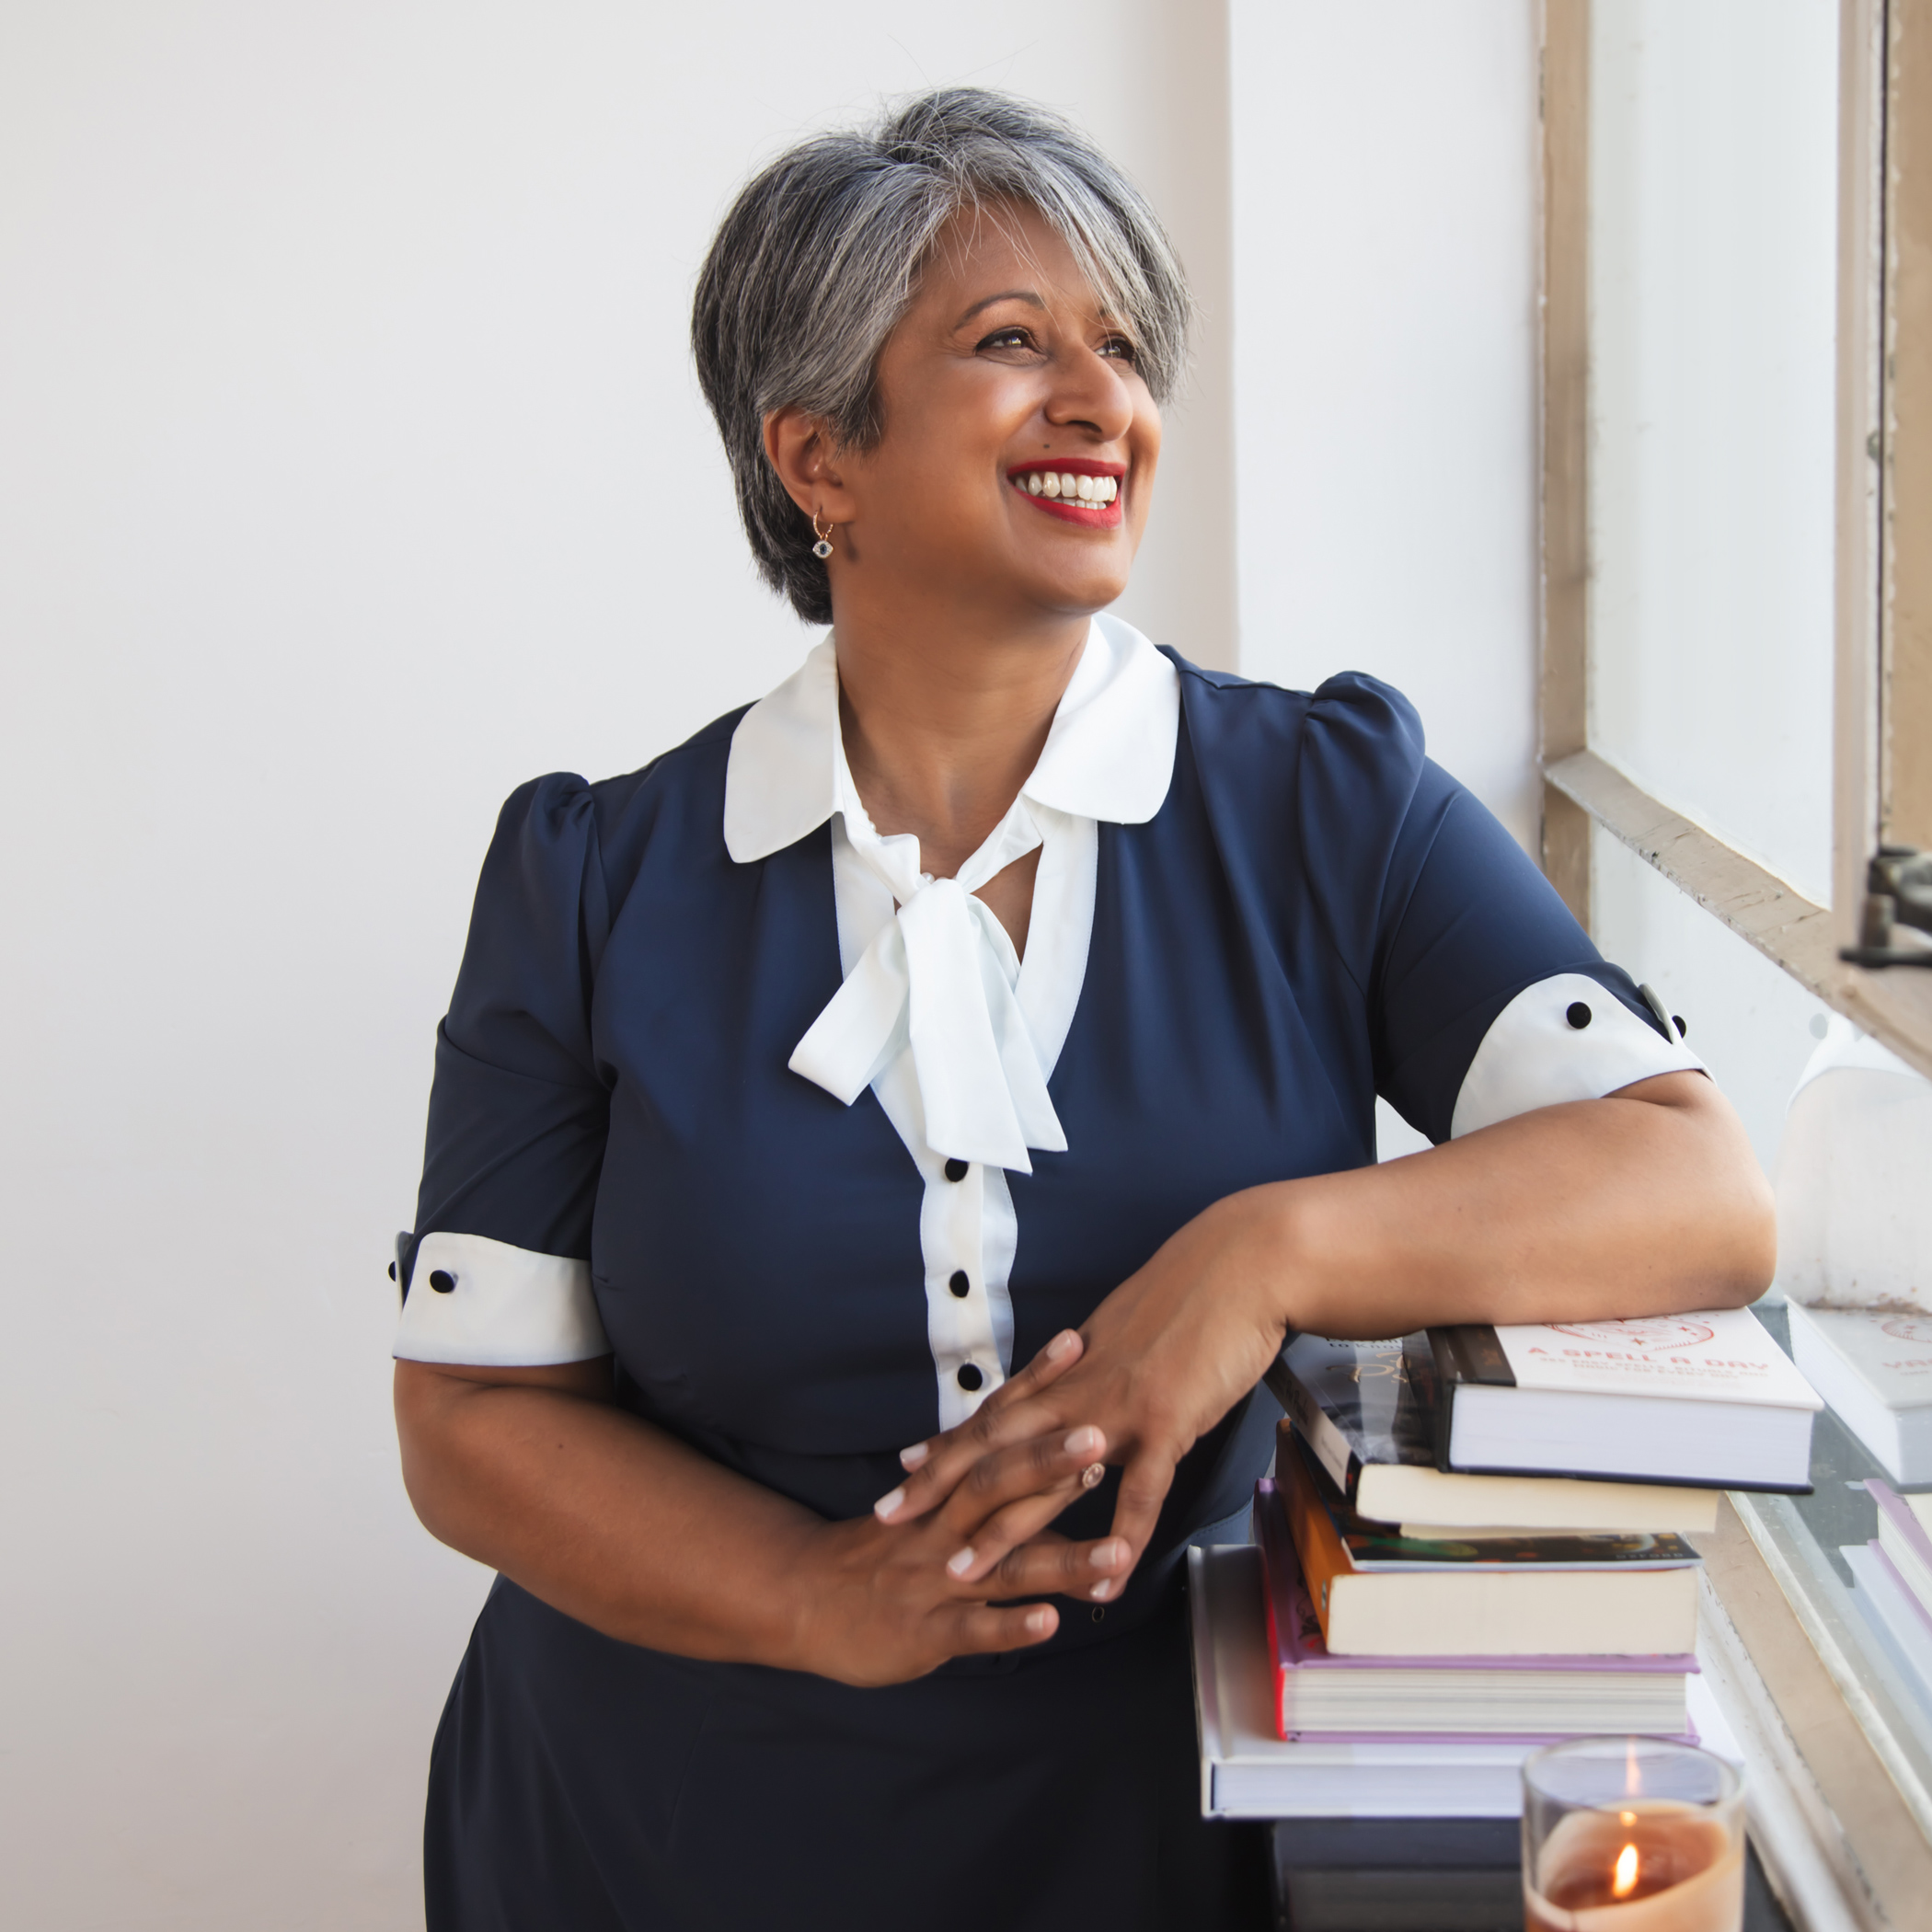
(1247,1772)
(1903,1628)
(1367,1409)
(1874,1366)
(1704,1398)
(1905,1536)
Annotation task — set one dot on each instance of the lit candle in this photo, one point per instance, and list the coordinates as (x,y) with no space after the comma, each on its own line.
(1632,1859)
(1654,1867)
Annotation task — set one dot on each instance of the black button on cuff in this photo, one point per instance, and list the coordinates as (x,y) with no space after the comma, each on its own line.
(969,1378)
(442,1282)
(959,1285)
(392,1271)
(956,1169)
(1578,1015)
(1683,1031)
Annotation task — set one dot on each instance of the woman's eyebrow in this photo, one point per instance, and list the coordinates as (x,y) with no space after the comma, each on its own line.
(1025,295)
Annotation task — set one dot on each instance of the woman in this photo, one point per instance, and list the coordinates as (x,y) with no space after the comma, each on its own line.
(998,994)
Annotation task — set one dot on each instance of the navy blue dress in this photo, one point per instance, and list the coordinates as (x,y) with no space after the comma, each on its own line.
(1317,915)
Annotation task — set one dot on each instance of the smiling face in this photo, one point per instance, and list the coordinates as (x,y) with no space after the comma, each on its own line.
(1015,469)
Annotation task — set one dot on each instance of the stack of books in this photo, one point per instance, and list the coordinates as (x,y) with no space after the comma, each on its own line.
(1475,1545)
(1893,1574)
(1874,1366)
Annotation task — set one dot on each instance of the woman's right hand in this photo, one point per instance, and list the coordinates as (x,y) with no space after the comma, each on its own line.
(883,1603)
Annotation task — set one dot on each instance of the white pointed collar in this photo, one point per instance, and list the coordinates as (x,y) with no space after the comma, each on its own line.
(1109,754)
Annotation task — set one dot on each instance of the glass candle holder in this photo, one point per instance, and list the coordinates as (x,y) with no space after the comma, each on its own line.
(1631,1834)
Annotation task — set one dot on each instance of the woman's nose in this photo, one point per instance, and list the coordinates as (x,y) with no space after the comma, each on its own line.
(1089,392)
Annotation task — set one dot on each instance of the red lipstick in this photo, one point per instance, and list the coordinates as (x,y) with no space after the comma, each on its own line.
(1052,484)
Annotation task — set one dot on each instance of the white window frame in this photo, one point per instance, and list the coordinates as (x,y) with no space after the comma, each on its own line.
(1842,1821)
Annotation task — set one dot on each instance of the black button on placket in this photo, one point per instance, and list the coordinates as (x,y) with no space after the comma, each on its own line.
(956,1169)
(959,1285)
(969,1378)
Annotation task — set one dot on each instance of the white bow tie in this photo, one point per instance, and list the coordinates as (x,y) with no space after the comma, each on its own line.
(939,977)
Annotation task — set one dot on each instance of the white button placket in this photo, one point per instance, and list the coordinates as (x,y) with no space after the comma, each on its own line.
(966,1226)
(971,1334)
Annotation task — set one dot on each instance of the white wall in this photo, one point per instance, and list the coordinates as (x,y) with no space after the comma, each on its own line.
(351,471)
(1384,359)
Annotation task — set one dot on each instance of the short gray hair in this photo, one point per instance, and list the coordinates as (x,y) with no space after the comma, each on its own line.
(819,256)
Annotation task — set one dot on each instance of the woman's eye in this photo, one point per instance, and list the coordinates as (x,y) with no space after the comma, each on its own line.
(1121,347)
(1008,338)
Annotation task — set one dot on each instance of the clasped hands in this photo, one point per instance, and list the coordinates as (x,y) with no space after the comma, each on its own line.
(935,1571)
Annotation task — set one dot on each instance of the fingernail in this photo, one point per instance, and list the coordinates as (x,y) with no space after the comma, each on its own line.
(1083,1442)
(911,1458)
(885,1506)
(1061,1345)
(1039,1622)
(1101,1592)
(958,1564)
(1110,1556)
(1092,1475)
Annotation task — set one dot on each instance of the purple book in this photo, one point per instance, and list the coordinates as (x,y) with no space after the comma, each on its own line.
(1903,1542)
(1906,1596)
(1295,1645)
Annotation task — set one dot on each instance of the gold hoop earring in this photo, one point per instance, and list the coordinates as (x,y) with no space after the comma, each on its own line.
(823,548)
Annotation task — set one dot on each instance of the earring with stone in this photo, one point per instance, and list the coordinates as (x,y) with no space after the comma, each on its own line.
(823,548)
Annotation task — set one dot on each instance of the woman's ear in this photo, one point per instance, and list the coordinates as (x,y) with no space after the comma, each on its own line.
(800,448)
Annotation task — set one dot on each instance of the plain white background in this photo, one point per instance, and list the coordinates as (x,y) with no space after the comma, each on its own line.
(352,471)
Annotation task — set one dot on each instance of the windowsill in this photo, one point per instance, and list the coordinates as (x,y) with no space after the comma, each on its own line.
(1838,1740)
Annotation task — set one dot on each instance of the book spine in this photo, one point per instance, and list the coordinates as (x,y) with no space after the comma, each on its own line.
(1317,1543)
(1319,1431)
(1448,1373)
(1266,1518)
(1905,1524)
(1479,1349)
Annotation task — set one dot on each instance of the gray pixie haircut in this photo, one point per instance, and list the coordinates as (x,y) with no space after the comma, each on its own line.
(820,257)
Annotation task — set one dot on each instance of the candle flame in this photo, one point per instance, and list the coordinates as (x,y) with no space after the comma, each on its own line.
(1623,1881)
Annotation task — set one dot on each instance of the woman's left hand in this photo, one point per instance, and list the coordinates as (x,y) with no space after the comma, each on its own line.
(1166,1356)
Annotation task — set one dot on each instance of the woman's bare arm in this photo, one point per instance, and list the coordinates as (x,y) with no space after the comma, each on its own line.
(539,1474)
(1648,1201)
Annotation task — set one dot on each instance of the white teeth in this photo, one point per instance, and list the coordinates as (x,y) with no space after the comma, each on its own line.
(1063,484)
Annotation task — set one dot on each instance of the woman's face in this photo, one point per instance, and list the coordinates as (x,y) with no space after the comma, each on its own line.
(1005,371)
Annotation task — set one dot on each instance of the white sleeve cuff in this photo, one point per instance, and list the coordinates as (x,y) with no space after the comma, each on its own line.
(1537,1054)
(484,1302)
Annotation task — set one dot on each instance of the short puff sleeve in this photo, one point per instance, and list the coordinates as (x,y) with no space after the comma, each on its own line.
(1486,998)
(498,1272)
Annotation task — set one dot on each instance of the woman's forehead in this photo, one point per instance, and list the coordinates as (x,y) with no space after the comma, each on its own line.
(999,249)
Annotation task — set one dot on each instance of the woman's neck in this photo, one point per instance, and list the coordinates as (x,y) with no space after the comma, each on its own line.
(943,723)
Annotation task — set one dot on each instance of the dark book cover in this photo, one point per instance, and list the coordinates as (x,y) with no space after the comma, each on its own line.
(1358,1403)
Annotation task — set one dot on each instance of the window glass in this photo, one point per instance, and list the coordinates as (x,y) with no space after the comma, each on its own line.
(1748,1019)
(1713,167)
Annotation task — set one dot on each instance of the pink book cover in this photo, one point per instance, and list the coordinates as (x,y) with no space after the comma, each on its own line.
(1907,1593)
(1903,1520)
(1295,1644)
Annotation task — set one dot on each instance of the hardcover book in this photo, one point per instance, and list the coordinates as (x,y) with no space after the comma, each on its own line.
(1874,1366)
(1247,1772)
(1367,1409)
(1703,1398)
(1469,1608)
(1320,1695)
(1904,1536)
